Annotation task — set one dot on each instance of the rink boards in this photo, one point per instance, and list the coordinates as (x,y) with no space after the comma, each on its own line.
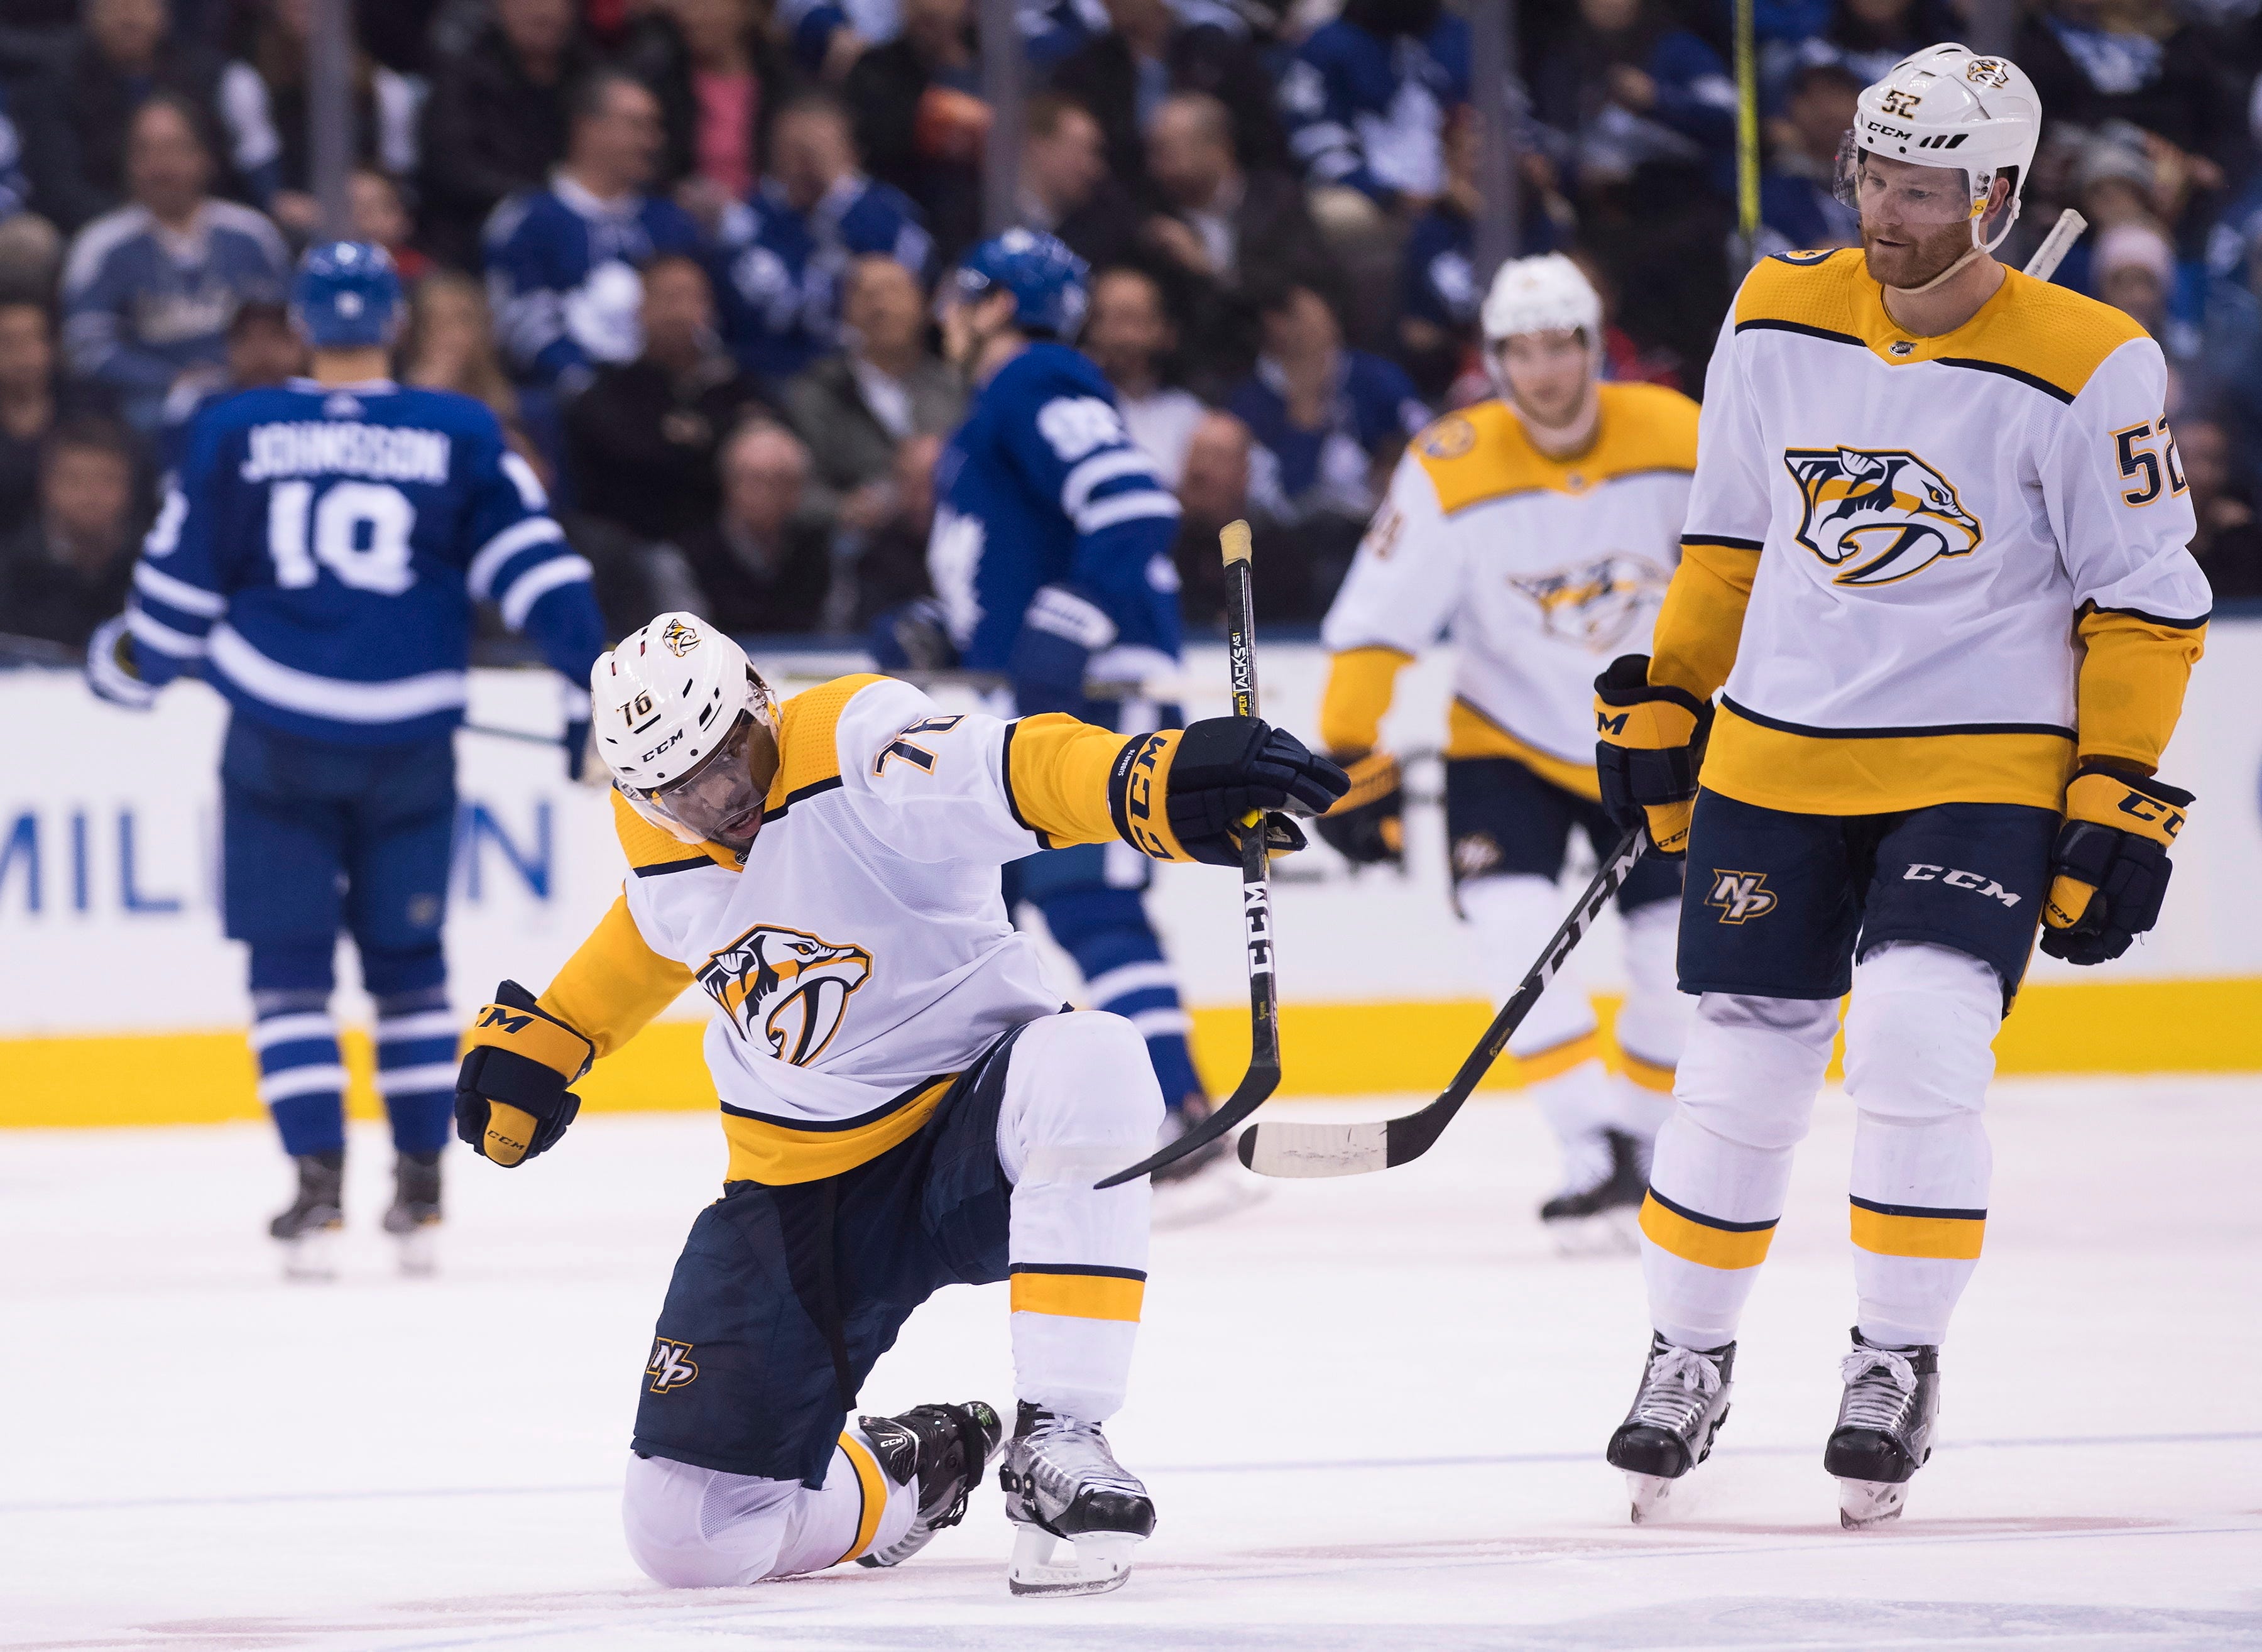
(122,1000)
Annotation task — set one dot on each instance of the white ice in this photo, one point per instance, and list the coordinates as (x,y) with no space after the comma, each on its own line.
(1371,1413)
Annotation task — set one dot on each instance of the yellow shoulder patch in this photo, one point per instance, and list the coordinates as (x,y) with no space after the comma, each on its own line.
(808,755)
(2043,331)
(1482,453)
(1803,292)
(1644,428)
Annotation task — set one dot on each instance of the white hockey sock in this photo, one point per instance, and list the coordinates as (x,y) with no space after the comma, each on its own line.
(1744,1091)
(697,1528)
(1080,1103)
(1653,1024)
(1919,1055)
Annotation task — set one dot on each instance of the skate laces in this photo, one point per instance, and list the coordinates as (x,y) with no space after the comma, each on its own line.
(976,1449)
(1879,1384)
(1066,1456)
(1677,1386)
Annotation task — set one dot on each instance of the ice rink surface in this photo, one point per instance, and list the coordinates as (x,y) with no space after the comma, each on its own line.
(1371,1413)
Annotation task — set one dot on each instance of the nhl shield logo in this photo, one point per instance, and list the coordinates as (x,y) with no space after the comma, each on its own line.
(1877,516)
(786,988)
(1740,896)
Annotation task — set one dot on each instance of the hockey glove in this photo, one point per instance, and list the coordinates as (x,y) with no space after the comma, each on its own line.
(2110,867)
(1223,770)
(1649,742)
(511,1099)
(110,670)
(1367,826)
(1060,633)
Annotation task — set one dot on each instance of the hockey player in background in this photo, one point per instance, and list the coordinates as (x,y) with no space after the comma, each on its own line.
(1051,556)
(906,1104)
(1936,554)
(1537,532)
(316,560)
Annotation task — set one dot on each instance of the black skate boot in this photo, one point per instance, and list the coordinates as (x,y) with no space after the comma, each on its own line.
(1886,1422)
(414,1217)
(1677,1416)
(1061,1481)
(1598,1219)
(310,1228)
(945,1449)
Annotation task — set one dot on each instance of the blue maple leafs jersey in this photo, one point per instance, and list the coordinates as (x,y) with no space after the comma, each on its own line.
(1042,486)
(320,552)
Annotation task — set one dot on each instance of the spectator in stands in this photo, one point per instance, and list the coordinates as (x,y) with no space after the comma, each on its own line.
(1797,208)
(385,110)
(640,442)
(1065,189)
(380,217)
(562,261)
(148,289)
(450,344)
(1225,231)
(720,78)
(1329,421)
(855,409)
(890,565)
(2229,543)
(920,118)
(1364,100)
(1213,489)
(785,255)
(1637,93)
(263,349)
(1864,39)
(75,113)
(30,401)
(2134,60)
(1129,335)
(1149,52)
(825,43)
(496,120)
(66,569)
(762,564)
(2135,270)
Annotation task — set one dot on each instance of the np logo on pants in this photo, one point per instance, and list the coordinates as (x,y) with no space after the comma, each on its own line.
(670,1366)
(1741,894)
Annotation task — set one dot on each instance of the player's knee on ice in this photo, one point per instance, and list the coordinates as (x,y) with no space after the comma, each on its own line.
(1080,1088)
(698,1528)
(1751,1067)
(1920,1031)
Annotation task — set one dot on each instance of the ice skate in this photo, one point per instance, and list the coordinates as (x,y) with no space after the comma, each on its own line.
(1206,1184)
(310,1229)
(945,1449)
(1062,1484)
(1596,1215)
(414,1218)
(1677,1416)
(1885,1423)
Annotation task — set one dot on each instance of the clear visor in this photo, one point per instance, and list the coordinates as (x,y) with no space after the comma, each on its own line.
(1886,191)
(717,799)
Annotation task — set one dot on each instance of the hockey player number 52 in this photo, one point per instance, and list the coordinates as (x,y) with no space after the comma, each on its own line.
(359,531)
(2137,461)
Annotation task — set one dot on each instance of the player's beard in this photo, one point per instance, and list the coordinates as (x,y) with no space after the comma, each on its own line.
(1921,255)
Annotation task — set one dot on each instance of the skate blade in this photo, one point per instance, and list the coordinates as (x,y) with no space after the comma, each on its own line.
(1864,1504)
(1655,1499)
(1607,1233)
(1102,1561)
(420,1250)
(311,1258)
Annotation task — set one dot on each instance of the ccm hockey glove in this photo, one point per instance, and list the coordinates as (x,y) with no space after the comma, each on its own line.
(1214,776)
(2110,868)
(511,1099)
(1649,740)
(1367,826)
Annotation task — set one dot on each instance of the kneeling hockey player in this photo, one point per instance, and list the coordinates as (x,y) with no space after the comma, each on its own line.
(906,1105)
(1936,553)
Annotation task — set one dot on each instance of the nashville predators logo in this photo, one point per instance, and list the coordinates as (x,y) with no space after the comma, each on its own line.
(671,1366)
(679,637)
(785,989)
(1877,516)
(1741,894)
(1597,605)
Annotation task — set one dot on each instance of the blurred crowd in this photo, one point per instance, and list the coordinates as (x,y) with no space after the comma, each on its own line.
(686,249)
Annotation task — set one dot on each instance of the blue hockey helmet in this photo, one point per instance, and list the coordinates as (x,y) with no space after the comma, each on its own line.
(1046,279)
(346,295)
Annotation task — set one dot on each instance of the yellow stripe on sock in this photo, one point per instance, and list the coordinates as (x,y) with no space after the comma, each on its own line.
(1949,1236)
(1646,1075)
(1557,1059)
(1705,1240)
(1078,1295)
(873,1487)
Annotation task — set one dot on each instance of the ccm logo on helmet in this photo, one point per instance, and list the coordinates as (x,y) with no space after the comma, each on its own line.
(671,740)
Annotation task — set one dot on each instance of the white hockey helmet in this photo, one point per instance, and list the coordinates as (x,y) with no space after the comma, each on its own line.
(1950,108)
(677,709)
(1546,294)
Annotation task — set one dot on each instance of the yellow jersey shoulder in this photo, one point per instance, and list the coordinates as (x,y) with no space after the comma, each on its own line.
(2047,332)
(1804,291)
(1482,453)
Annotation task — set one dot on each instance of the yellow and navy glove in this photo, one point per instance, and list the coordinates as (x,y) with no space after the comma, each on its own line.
(1216,777)
(1649,742)
(1367,826)
(2110,867)
(511,1099)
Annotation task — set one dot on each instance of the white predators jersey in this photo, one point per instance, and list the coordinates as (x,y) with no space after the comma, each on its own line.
(1539,570)
(862,956)
(1931,529)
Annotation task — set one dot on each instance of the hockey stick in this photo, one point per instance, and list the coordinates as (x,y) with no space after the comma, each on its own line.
(1279,1149)
(2056,244)
(1264,1075)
